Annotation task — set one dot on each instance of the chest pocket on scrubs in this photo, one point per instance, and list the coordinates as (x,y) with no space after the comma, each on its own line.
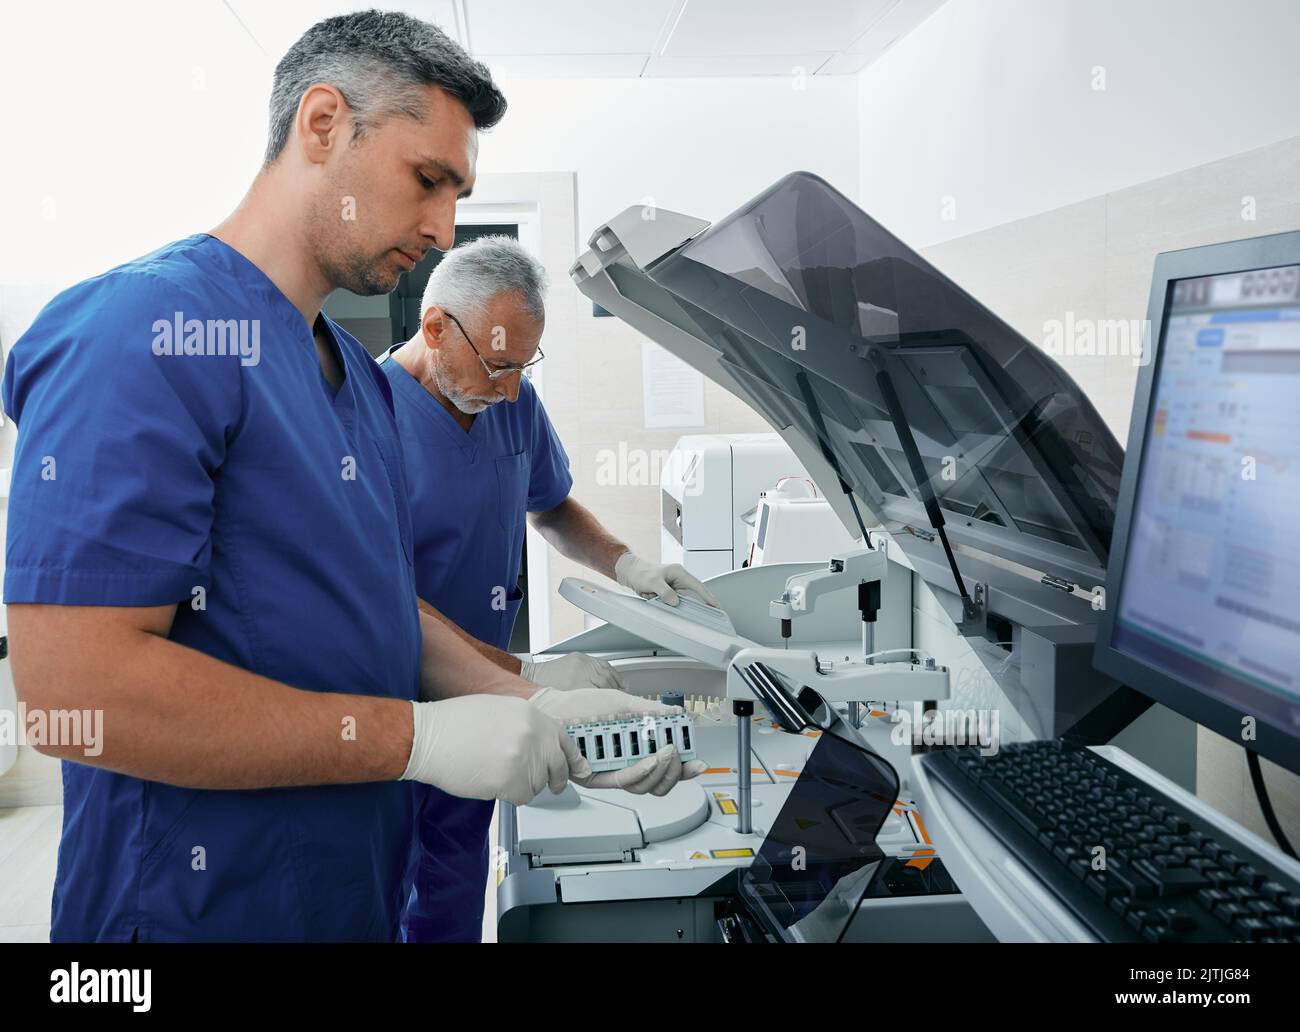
(390,451)
(512,480)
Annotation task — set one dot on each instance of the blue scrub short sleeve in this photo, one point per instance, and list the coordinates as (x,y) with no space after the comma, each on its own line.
(111,500)
(549,482)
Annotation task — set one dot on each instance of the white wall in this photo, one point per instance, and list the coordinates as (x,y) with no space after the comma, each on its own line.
(991,103)
(146,121)
(141,122)
(699,146)
(126,125)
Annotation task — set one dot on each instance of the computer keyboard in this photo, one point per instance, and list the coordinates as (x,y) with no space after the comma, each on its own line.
(1168,875)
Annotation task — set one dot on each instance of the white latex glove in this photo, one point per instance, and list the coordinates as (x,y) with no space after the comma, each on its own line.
(588,705)
(576,670)
(655,774)
(665,581)
(491,747)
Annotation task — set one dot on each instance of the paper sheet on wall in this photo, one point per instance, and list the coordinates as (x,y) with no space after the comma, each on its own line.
(673,392)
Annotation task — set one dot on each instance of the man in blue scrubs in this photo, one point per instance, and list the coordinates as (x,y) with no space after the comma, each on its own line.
(209,537)
(482,457)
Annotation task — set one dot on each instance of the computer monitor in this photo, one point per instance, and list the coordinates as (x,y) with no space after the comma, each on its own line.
(1202,607)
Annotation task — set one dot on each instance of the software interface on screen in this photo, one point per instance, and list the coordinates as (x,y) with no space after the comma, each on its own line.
(1209,585)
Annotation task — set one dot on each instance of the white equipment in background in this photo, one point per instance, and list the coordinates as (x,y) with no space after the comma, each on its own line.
(796,525)
(876,370)
(710,487)
(595,865)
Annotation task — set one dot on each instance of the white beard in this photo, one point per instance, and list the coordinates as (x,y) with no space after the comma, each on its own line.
(467,403)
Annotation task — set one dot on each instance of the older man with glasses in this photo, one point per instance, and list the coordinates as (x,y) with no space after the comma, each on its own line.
(481,458)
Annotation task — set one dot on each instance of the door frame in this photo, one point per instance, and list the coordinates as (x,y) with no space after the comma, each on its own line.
(525,216)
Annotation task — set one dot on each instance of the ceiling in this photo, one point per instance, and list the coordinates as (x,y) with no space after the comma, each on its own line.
(645,39)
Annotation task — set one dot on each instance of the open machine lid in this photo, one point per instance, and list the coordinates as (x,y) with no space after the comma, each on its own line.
(836,332)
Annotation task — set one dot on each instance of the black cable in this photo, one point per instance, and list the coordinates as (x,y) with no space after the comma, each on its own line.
(913,455)
(1261,795)
(828,453)
(858,516)
(952,562)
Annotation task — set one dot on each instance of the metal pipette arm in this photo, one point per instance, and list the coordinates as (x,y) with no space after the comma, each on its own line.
(744,711)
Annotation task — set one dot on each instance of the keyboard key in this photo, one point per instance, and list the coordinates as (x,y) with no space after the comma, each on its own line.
(1230,912)
(1175,918)
(1138,916)
(1252,927)
(1104,885)
(1134,881)
(1211,898)
(1171,881)
(1013,806)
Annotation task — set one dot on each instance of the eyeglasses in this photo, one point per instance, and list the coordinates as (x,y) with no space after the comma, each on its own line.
(494,372)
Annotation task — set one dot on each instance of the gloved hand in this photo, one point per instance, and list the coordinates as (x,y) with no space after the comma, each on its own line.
(576,670)
(588,705)
(655,774)
(491,747)
(664,581)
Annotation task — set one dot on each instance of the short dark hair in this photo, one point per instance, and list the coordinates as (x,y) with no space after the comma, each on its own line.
(379,61)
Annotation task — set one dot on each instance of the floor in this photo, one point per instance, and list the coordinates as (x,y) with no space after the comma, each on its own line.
(29,847)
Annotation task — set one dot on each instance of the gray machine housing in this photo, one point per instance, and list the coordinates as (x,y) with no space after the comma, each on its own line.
(800,283)
(916,411)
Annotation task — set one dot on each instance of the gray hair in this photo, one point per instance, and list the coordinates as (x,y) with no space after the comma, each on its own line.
(380,61)
(470,276)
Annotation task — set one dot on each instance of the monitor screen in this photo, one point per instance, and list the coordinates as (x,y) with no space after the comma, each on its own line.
(1207,581)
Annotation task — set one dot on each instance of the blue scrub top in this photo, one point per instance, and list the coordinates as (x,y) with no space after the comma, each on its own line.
(470,493)
(150,464)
